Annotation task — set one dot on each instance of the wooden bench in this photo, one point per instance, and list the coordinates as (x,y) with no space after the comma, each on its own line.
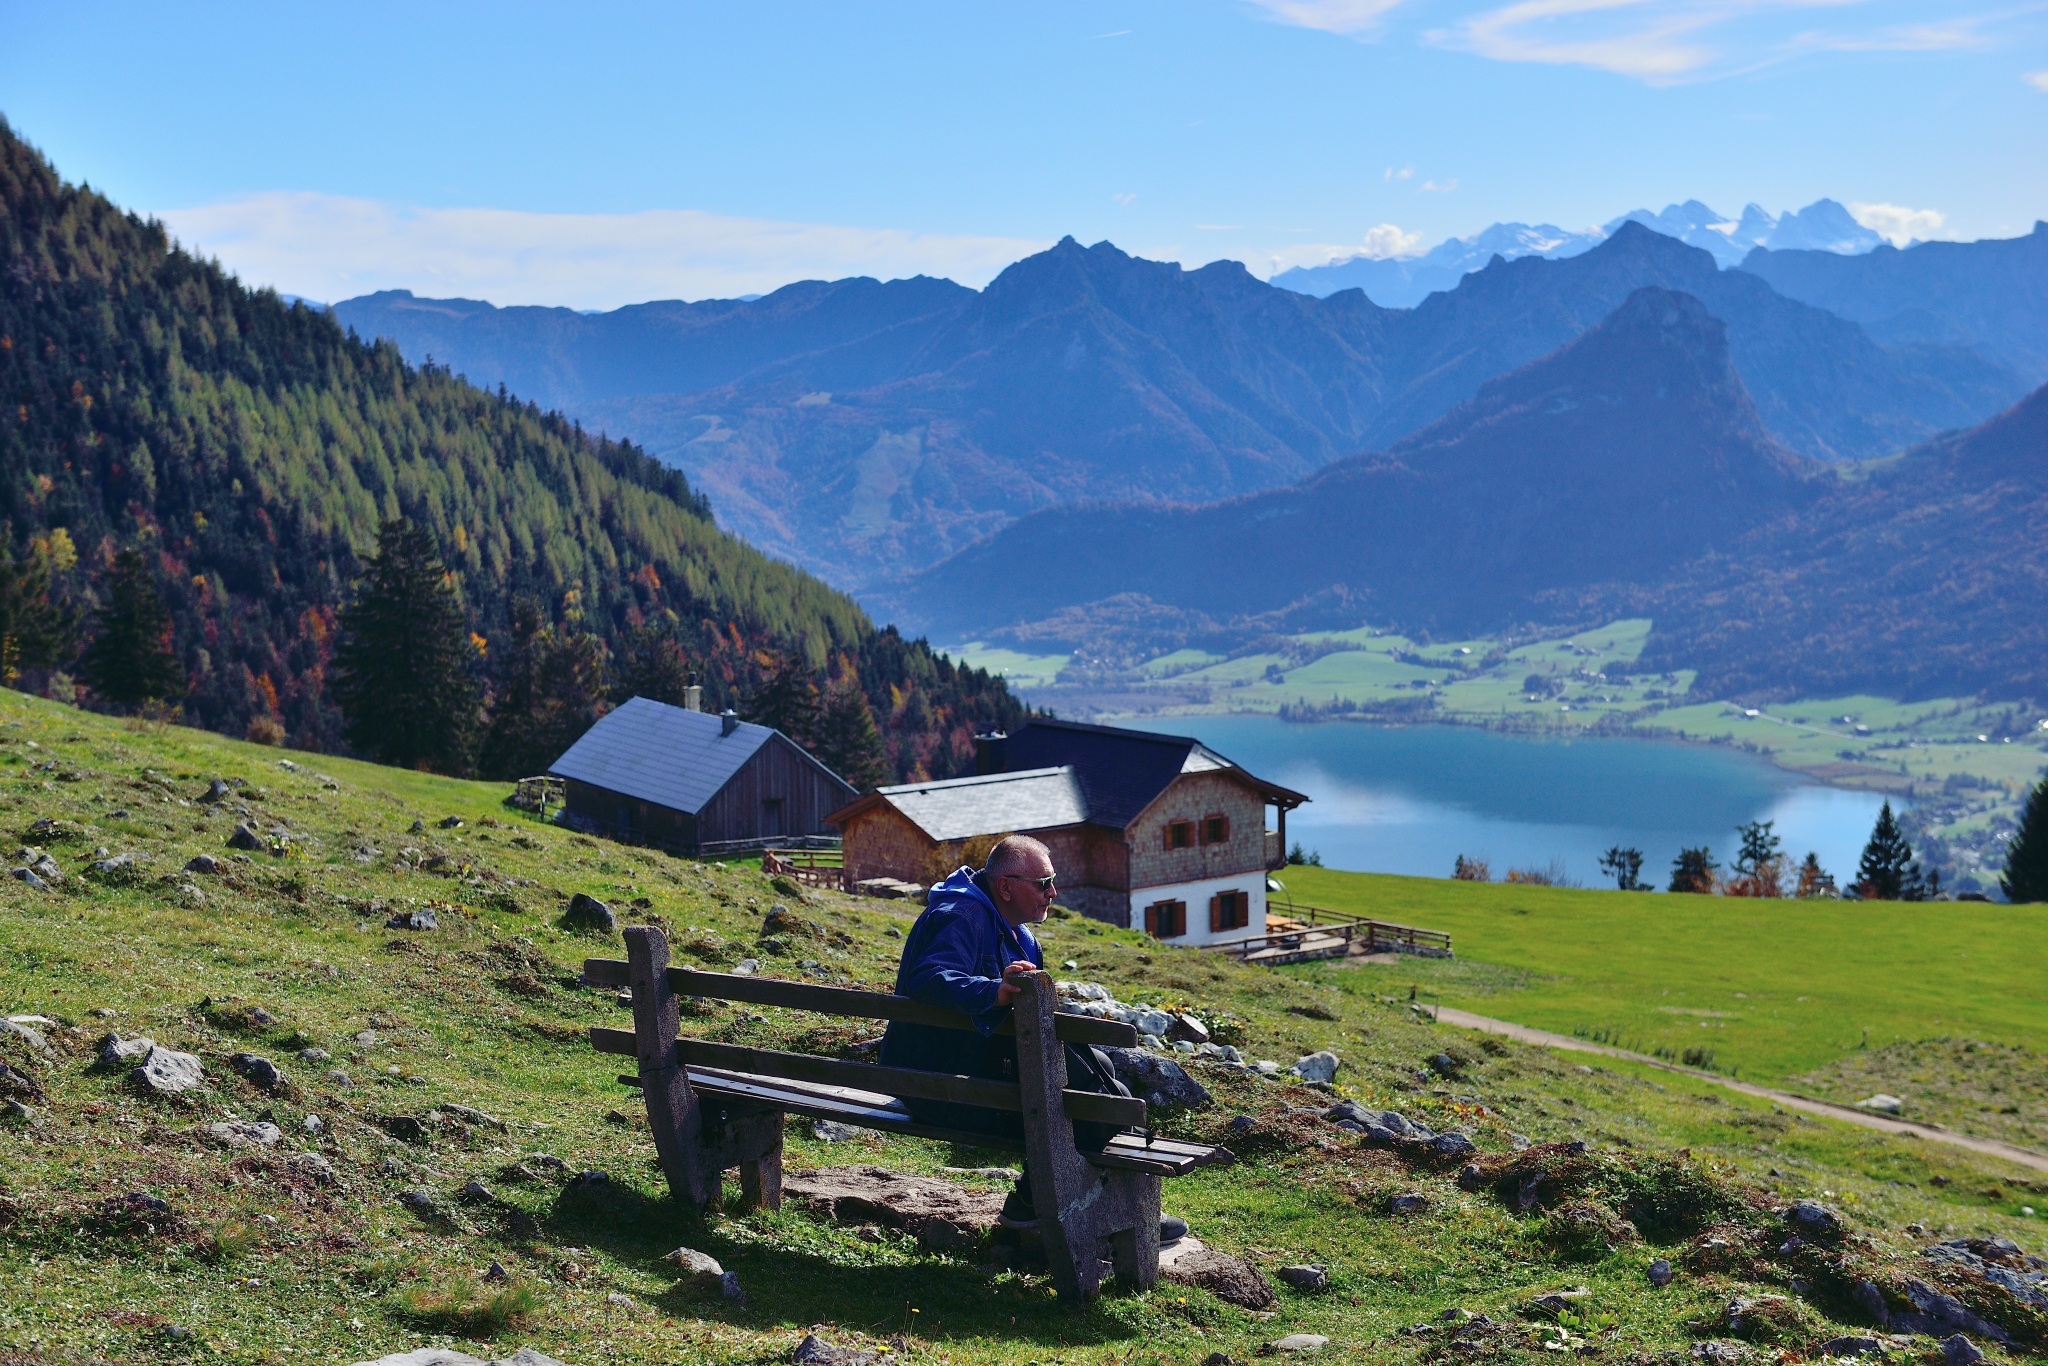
(715,1106)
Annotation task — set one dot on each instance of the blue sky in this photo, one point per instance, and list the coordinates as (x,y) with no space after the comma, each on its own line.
(595,155)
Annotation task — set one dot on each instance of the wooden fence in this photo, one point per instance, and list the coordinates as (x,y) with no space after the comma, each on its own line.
(808,867)
(1311,932)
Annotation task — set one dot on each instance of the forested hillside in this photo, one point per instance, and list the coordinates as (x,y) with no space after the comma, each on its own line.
(252,450)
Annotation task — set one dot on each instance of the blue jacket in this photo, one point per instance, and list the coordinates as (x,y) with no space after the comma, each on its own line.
(954,958)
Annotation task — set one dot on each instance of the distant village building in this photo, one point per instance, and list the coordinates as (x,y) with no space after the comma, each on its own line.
(1154,832)
(676,777)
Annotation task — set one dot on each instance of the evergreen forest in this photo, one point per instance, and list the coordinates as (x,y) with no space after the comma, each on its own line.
(181,454)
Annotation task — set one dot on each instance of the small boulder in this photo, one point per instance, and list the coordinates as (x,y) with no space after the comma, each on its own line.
(1881,1104)
(315,1055)
(245,838)
(244,1133)
(1960,1351)
(1660,1273)
(1157,1081)
(1295,1343)
(1309,1280)
(258,1071)
(419,918)
(418,1201)
(1552,1303)
(1851,1346)
(1444,1065)
(217,791)
(1812,1219)
(119,867)
(28,877)
(1187,1029)
(586,912)
(815,1351)
(746,967)
(1230,1279)
(1318,1066)
(166,1072)
(116,1051)
(832,1131)
(1407,1202)
(1453,1145)
(450,822)
(699,1272)
(204,863)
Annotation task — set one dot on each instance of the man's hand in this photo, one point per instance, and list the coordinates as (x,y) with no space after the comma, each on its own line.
(1009,991)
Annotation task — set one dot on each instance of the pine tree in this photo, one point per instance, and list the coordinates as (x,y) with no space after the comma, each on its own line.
(34,632)
(787,699)
(402,669)
(2026,855)
(848,741)
(1625,866)
(1693,871)
(1813,879)
(130,660)
(547,690)
(654,666)
(1887,871)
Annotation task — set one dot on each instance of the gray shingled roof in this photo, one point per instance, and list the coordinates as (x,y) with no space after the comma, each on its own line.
(661,754)
(959,808)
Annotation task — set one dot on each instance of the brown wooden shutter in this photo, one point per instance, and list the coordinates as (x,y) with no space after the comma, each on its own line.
(1180,918)
(1215,914)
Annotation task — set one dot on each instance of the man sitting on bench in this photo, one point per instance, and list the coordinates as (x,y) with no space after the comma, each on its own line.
(973,936)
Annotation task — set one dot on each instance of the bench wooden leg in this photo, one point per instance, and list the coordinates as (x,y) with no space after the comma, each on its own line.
(672,1110)
(761,1179)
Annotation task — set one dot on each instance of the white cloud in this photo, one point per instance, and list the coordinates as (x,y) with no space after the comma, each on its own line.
(1381,242)
(2037,79)
(329,247)
(1899,225)
(1329,16)
(1403,174)
(1665,42)
(1437,186)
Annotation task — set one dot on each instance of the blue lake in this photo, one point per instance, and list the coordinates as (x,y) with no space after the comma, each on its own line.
(1411,799)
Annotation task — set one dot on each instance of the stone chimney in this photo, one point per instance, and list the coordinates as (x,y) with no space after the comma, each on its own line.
(728,721)
(693,696)
(991,753)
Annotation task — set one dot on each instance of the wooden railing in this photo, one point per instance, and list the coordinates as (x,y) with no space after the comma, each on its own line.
(1304,933)
(807,867)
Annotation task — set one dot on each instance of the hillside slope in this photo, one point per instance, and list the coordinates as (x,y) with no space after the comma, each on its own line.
(1618,458)
(1084,374)
(460,1120)
(253,448)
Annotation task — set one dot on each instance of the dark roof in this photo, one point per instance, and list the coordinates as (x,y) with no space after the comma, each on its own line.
(959,808)
(668,755)
(1122,771)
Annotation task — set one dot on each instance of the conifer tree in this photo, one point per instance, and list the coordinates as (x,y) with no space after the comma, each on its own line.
(402,669)
(548,691)
(1813,879)
(130,660)
(2026,856)
(1693,871)
(787,699)
(1624,865)
(34,632)
(848,741)
(654,666)
(1887,871)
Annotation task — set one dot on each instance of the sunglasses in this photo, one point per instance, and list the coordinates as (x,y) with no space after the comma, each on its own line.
(1043,884)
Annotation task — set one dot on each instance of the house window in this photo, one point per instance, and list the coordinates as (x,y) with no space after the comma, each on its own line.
(1229,911)
(1180,834)
(1215,829)
(1166,919)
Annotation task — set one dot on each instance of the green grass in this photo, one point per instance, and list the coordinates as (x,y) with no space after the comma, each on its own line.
(262,1263)
(1777,989)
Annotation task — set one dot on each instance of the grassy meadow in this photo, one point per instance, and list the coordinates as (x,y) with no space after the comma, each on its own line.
(255,1257)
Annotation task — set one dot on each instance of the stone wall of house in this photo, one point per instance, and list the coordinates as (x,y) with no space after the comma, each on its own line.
(881,842)
(1194,797)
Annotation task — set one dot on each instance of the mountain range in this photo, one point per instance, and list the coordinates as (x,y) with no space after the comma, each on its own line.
(868,430)
(1628,473)
(1404,281)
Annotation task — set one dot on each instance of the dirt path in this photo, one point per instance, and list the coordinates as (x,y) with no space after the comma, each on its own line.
(1933,1133)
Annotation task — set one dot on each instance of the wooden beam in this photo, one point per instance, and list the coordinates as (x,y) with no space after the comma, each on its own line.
(864,1005)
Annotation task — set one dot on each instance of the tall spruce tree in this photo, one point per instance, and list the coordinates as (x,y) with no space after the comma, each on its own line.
(548,690)
(34,631)
(402,670)
(654,666)
(130,660)
(1887,871)
(1693,871)
(2026,856)
(848,741)
(787,700)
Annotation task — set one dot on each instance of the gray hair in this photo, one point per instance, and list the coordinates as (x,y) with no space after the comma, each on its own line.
(1012,853)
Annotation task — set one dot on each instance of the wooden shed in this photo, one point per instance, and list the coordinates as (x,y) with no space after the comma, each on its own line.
(649,773)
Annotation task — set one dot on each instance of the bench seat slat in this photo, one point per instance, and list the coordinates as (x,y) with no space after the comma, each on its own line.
(864,1005)
(1126,1152)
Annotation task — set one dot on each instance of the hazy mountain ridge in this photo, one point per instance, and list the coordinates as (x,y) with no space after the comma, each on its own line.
(1618,458)
(1084,374)
(1405,281)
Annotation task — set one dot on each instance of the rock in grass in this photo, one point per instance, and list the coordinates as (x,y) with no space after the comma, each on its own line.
(586,912)
(116,1051)
(204,863)
(420,918)
(259,1071)
(167,1072)
(1307,1279)
(832,1131)
(245,838)
(1230,1279)
(28,877)
(1882,1104)
(244,1133)
(815,1351)
(1407,1202)
(1960,1351)
(1159,1082)
(698,1272)
(1295,1343)
(1851,1346)
(1318,1066)
(1660,1273)
(25,1034)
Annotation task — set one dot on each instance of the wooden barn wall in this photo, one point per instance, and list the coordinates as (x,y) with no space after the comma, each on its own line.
(778,770)
(645,821)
